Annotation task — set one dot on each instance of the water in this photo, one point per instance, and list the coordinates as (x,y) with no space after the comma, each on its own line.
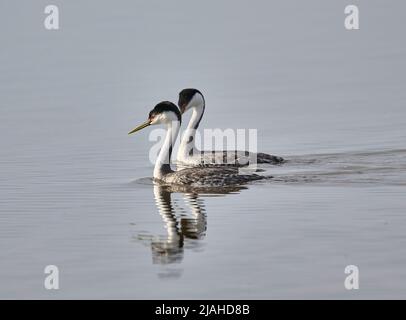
(76,190)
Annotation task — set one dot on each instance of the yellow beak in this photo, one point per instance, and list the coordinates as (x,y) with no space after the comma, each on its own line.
(141,126)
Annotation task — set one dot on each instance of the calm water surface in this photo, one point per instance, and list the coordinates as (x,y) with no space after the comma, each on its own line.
(75,190)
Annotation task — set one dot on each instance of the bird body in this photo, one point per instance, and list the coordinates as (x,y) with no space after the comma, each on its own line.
(208,177)
(189,155)
(236,158)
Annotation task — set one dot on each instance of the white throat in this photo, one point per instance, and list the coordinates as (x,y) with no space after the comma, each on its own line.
(162,164)
(187,146)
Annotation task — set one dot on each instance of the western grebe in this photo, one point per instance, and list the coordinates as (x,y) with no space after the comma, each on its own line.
(168,114)
(192,99)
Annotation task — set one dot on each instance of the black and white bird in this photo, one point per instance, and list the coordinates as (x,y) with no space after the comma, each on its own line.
(168,114)
(189,155)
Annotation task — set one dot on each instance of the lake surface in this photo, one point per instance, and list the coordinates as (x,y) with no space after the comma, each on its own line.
(75,190)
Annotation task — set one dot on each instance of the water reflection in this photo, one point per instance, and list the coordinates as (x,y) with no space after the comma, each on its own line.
(170,248)
(185,225)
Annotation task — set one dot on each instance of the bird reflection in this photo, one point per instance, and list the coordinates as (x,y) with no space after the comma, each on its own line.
(184,228)
(180,226)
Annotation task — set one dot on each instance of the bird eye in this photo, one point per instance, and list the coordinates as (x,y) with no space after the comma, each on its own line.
(151,116)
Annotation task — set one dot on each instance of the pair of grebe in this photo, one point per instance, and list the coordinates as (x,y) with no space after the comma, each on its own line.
(198,174)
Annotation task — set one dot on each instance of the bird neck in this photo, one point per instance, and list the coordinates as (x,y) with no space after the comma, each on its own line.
(187,145)
(163,162)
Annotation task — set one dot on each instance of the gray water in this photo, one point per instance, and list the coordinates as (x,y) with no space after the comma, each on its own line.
(75,190)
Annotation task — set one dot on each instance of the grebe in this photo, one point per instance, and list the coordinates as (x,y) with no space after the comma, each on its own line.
(168,114)
(192,99)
